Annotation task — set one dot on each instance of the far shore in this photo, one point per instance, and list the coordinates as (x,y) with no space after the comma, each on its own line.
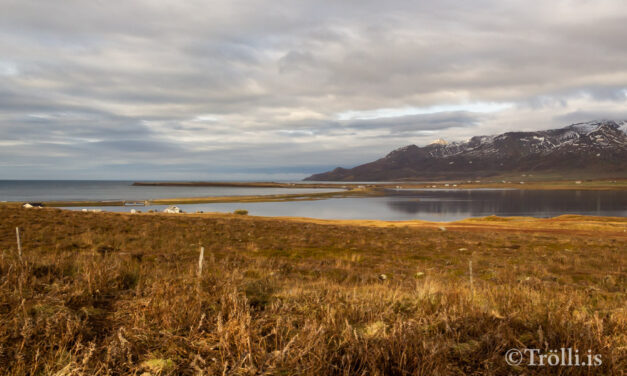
(520,183)
(344,189)
(357,192)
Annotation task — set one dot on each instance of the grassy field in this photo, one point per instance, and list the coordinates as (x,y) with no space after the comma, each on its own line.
(117,294)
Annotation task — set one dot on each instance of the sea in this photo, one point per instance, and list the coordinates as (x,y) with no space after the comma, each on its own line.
(441,205)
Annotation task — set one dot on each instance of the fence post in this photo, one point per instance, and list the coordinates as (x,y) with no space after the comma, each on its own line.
(472,289)
(19,243)
(200,261)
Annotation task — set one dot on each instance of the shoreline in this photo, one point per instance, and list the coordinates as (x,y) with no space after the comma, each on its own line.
(583,224)
(370,189)
(222,199)
(600,184)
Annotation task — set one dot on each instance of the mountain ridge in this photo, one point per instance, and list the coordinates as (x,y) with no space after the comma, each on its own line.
(594,148)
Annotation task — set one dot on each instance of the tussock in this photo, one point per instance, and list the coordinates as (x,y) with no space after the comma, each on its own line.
(288,298)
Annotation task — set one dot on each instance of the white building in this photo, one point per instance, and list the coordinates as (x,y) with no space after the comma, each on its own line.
(172,209)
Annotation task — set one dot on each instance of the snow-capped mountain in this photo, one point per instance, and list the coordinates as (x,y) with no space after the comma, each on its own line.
(596,148)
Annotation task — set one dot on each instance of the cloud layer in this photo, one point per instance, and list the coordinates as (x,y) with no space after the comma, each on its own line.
(278,90)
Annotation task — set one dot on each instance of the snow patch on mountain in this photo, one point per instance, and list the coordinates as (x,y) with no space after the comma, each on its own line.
(585,128)
(599,146)
(439,141)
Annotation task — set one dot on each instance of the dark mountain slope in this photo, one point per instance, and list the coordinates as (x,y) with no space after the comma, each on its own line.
(597,148)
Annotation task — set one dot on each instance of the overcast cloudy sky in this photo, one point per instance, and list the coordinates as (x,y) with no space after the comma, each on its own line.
(246,89)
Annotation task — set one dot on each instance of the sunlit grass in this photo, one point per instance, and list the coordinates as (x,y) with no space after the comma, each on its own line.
(105,293)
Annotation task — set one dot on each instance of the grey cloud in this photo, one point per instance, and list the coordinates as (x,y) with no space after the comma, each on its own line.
(575,116)
(421,122)
(295,60)
(82,83)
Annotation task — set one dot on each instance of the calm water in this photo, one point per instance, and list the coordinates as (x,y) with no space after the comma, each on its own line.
(434,205)
(68,190)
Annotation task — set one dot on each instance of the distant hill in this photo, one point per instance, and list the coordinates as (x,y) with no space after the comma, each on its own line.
(586,150)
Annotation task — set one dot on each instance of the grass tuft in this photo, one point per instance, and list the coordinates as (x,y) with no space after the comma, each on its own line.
(297,297)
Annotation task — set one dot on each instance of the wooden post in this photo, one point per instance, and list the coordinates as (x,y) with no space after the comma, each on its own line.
(200,261)
(470,274)
(19,243)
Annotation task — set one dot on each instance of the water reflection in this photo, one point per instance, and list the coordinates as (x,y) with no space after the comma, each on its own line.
(434,205)
(536,203)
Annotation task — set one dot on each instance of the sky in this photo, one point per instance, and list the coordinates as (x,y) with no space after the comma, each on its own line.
(278,90)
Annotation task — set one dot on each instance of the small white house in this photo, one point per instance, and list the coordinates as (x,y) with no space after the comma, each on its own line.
(29,205)
(172,209)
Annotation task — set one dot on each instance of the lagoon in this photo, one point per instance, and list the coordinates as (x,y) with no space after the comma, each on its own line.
(440,205)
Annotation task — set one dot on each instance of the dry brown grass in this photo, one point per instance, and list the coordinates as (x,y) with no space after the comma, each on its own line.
(111,294)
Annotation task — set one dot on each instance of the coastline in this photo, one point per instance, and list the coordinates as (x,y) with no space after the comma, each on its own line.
(582,224)
(604,184)
(226,199)
(368,189)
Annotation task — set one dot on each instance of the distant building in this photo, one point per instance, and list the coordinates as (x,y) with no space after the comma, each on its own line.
(135,203)
(172,210)
(29,205)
